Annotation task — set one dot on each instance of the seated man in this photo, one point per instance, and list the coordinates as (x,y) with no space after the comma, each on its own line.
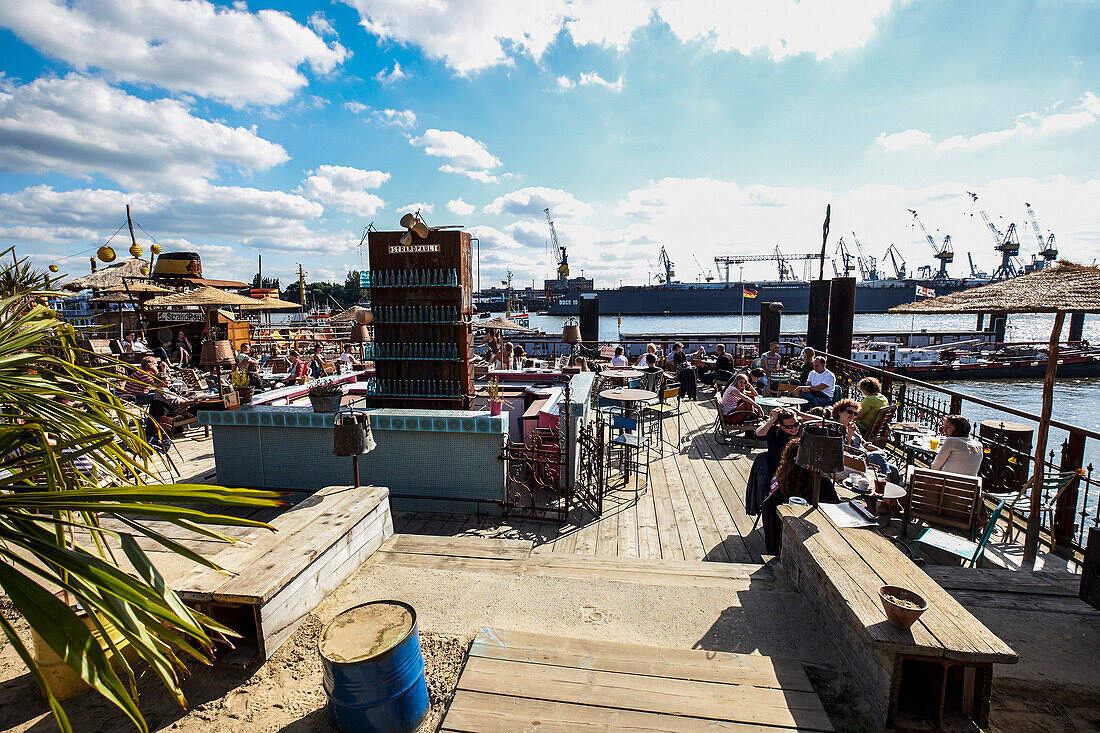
(142,381)
(134,344)
(347,359)
(723,365)
(820,385)
(770,361)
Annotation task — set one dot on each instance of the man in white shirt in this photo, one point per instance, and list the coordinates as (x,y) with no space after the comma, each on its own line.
(820,385)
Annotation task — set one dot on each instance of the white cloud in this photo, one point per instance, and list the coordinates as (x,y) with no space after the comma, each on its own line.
(388,77)
(460,207)
(590,79)
(492,238)
(413,208)
(321,24)
(903,140)
(463,154)
(222,53)
(396,117)
(1028,126)
(530,202)
(472,35)
(79,126)
(345,188)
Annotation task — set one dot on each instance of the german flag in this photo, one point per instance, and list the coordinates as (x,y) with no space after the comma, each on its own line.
(748,292)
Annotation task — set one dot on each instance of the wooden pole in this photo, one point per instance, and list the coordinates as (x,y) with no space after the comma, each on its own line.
(1034,520)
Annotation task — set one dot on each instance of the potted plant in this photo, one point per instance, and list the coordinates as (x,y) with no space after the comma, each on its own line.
(495,402)
(238,378)
(326,396)
(902,606)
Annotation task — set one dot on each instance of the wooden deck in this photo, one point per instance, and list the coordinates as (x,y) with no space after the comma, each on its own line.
(693,508)
(516,681)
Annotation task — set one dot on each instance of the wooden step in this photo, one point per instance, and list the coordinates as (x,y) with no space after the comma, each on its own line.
(523,681)
(279,577)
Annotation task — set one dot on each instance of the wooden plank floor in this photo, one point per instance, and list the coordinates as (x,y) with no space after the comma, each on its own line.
(692,509)
(516,681)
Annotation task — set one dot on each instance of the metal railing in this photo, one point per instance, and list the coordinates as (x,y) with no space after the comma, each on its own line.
(1078,507)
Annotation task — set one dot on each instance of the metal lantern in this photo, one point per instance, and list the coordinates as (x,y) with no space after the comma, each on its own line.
(821,448)
(54,268)
(144,270)
(106,254)
(216,353)
(154,248)
(359,334)
(571,332)
(136,250)
(351,436)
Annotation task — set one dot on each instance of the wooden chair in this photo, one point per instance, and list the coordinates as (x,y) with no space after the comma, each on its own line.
(879,434)
(738,428)
(938,497)
(855,463)
(972,553)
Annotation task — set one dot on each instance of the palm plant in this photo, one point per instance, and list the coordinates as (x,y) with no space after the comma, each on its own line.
(71,452)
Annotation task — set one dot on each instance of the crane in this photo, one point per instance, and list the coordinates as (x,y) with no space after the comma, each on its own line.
(781,260)
(706,275)
(845,258)
(665,264)
(945,253)
(1007,243)
(868,266)
(561,257)
(1047,250)
(894,255)
(975,273)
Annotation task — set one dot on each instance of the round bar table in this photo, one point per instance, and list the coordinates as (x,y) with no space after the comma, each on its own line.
(628,398)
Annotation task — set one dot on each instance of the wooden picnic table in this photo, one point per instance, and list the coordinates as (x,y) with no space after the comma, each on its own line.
(944,661)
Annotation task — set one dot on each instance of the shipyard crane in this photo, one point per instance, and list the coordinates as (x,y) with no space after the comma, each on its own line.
(1007,243)
(845,258)
(1047,249)
(894,255)
(945,253)
(665,264)
(781,259)
(560,255)
(706,275)
(868,266)
(975,273)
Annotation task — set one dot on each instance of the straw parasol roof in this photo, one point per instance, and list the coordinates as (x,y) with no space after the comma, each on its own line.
(136,287)
(109,276)
(270,304)
(502,323)
(344,316)
(204,296)
(1065,287)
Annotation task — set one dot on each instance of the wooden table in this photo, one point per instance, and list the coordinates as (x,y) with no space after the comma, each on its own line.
(944,661)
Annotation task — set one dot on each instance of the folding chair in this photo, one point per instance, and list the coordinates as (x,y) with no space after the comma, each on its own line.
(737,428)
(972,553)
(627,444)
(1053,486)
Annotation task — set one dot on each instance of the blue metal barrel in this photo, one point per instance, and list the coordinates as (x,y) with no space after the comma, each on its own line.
(374,669)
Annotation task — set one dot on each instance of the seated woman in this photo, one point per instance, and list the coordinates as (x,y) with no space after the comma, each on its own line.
(958,453)
(873,401)
(619,360)
(739,401)
(759,380)
(845,412)
(253,372)
(790,480)
(780,427)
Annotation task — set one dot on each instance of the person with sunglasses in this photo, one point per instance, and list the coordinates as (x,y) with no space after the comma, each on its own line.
(778,430)
(845,412)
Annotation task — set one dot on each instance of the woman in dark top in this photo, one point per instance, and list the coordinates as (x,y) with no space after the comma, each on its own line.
(780,427)
(790,480)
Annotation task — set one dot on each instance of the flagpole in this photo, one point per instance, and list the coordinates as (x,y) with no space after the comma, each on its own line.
(741,338)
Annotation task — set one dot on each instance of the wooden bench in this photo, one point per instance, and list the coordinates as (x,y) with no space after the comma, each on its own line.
(279,577)
(910,678)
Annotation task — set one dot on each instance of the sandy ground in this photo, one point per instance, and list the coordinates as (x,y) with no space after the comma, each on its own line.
(1055,687)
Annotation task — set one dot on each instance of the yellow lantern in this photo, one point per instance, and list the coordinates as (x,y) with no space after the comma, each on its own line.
(106,254)
(144,271)
(154,248)
(136,250)
(54,268)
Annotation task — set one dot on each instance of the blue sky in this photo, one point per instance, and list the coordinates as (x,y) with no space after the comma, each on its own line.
(284,128)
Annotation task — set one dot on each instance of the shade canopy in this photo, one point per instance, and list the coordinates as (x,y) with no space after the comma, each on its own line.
(204,296)
(1066,287)
(503,324)
(136,287)
(109,276)
(270,304)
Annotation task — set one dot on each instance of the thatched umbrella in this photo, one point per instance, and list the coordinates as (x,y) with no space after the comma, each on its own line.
(110,276)
(1063,288)
(205,297)
(270,304)
(503,324)
(136,287)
